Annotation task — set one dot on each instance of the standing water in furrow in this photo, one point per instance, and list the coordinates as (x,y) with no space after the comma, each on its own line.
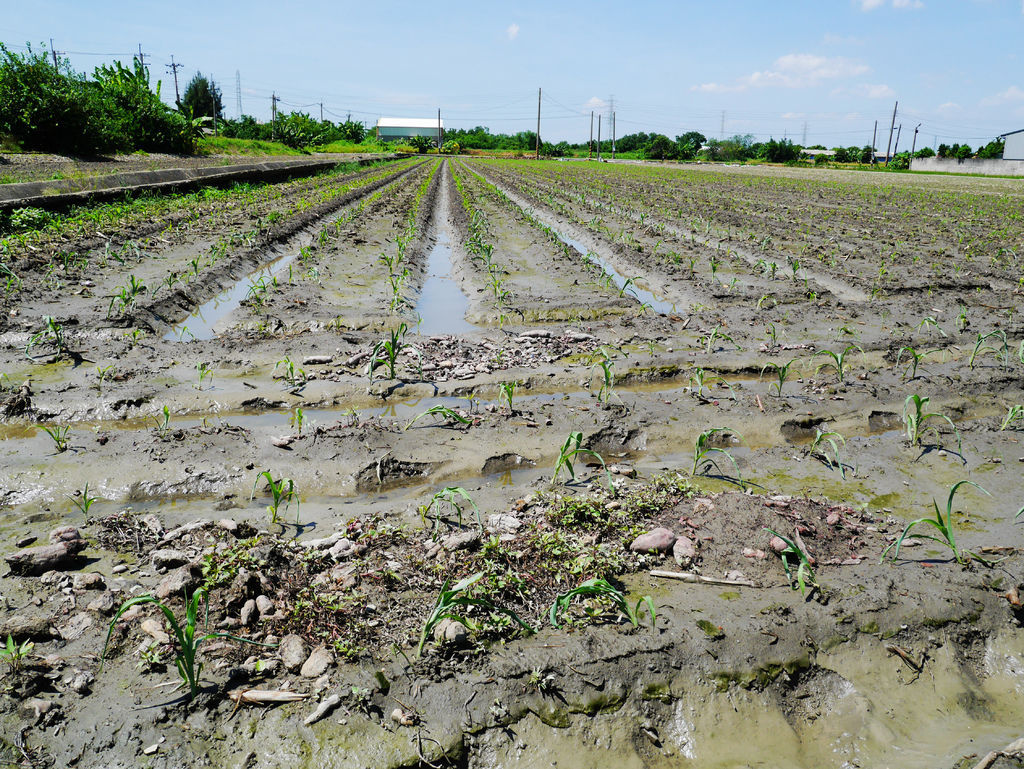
(442,305)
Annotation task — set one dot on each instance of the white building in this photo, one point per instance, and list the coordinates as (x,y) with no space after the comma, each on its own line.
(391,129)
(1014,148)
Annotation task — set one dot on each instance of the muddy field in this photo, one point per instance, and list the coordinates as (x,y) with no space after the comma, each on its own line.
(348,408)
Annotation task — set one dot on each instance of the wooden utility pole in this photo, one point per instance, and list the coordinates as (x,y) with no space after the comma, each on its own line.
(913,144)
(273,116)
(599,138)
(896,147)
(142,56)
(54,53)
(538,125)
(892,126)
(438,130)
(590,146)
(174,67)
(613,136)
(321,112)
(874,138)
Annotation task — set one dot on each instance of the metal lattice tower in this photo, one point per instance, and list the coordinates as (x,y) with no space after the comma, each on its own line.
(238,92)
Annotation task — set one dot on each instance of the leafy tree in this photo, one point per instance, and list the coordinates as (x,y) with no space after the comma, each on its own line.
(421,143)
(900,161)
(925,152)
(962,151)
(634,142)
(203,97)
(993,149)
(689,144)
(660,147)
(867,154)
(779,152)
(944,150)
(352,131)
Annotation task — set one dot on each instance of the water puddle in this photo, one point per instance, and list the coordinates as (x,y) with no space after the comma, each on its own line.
(442,305)
(200,324)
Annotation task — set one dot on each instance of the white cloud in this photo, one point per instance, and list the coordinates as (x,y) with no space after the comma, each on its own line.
(512,31)
(949,108)
(1011,94)
(870,5)
(596,103)
(794,70)
(876,91)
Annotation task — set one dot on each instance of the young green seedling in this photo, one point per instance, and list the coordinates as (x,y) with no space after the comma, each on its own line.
(1001,352)
(916,417)
(282,491)
(505,392)
(451,604)
(294,376)
(15,654)
(818,449)
(804,572)
(1014,415)
(943,525)
(837,360)
(204,370)
(162,425)
(914,360)
(59,435)
(52,332)
(184,634)
(602,589)
(703,451)
(781,374)
(447,414)
(83,500)
(571,449)
(449,496)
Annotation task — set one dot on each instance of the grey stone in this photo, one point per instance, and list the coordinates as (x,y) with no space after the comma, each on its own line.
(43,558)
(89,581)
(659,539)
(168,558)
(103,604)
(292,651)
(265,605)
(450,631)
(176,583)
(317,663)
(248,613)
(461,541)
(75,627)
(684,551)
(27,627)
(64,534)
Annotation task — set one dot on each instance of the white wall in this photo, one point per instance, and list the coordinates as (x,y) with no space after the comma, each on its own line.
(1014,149)
(970,166)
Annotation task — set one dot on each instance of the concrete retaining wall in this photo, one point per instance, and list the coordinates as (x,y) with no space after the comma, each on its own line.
(61,193)
(969,166)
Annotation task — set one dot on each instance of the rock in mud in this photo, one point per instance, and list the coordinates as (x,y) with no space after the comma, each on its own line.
(343,548)
(659,539)
(75,628)
(292,651)
(684,551)
(325,707)
(80,681)
(104,604)
(317,360)
(64,534)
(317,663)
(500,522)
(33,561)
(248,613)
(154,628)
(35,709)
(452,632)
(177,583)
(265,605)
(89,581)
(168,559)
(17,403)
(461,541)
(27,627)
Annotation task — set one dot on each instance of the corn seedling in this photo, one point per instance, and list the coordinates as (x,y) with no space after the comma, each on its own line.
(823,441)
(703,450)
(804,573)
(59,435)
(1014,415)
(781,374)
(837,360)
(440,411)
(386,352)
(606,364)
(916,416)
(294,376)
(602,589)
(184,634)
(52,332)
(162,424)
(914,359)
(451,603)
(713,337)
(961,320)
(449,496)
(15,654)
(572,449)
(296,419)
(505,392)
(930,322)
(943,525)
(282,492)
(204,370)
(1001,352)
(82,500)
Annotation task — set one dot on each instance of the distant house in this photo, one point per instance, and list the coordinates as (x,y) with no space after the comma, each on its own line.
(1014,148)
(392,129)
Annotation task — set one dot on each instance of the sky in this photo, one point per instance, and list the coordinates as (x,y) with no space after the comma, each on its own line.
(814,71)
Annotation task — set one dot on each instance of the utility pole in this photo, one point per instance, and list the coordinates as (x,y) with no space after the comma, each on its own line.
(611,118)
(803,142)
(142,56)
(892,126)
(538,125)
(273,116)
(321,112)
(895,149)
(54,53)
(613,136)
(590,146)
(599,138)
(174,68)
(438,130)
(721,133)
(874,137)
(238,92)
(913,144)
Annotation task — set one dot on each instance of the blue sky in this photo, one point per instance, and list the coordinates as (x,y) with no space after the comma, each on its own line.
(827,67)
